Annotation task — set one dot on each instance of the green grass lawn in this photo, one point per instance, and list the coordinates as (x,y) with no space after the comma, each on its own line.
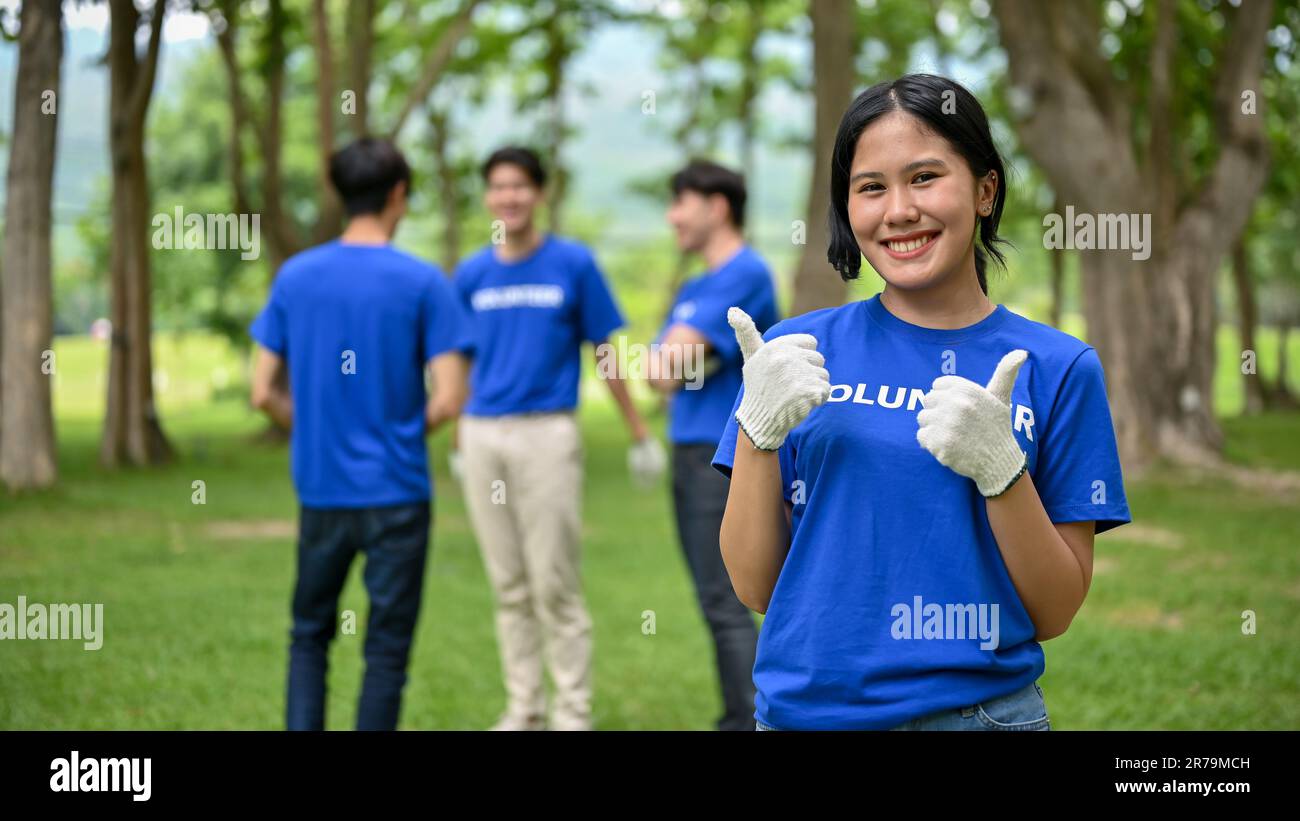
(196,597)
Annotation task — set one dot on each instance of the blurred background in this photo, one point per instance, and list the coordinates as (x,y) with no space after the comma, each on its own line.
(115,114)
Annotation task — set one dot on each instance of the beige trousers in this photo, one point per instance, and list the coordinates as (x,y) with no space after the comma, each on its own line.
(523,489)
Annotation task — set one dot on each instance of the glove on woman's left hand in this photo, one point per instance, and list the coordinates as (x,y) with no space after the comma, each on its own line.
(967,427)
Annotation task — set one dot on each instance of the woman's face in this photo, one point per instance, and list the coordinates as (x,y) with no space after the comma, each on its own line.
(913,203)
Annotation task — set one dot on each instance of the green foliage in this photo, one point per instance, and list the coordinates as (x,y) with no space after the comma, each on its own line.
(197,288)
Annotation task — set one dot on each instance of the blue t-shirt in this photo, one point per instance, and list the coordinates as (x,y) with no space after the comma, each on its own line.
(530,319)
(698,415)
(356,325)
(882,533)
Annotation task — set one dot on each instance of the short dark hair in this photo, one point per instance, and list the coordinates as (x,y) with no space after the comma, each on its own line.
(365,171)
(708,178)
(952,112)
(525,158)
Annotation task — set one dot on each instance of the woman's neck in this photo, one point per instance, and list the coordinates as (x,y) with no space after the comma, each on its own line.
(956,303)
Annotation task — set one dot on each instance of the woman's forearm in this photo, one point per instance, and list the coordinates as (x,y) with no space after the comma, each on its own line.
(1045,570)
(755,534)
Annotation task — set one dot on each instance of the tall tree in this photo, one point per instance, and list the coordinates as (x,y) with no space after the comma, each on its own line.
(27,457)
(1107,151)
(132,431)
(283,237)
(1266,256)
(816,285)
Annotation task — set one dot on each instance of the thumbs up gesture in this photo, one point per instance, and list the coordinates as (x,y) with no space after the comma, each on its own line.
(968,427)
(784,381)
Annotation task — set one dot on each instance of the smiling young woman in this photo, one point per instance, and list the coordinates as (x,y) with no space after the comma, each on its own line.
(909,561)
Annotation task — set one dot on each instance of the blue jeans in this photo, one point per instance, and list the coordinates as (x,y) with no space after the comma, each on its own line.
(1022,710)
(395,541)
(699,499)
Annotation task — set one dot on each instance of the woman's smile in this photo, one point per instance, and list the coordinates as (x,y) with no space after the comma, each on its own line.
(910,246)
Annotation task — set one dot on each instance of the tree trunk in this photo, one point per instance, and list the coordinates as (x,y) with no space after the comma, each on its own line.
(330,221)
(1256,389)
(282,231)
(1157,349)
(1057,274)
(132,432)
(27,455)
(816,284)
(1281,394)
(448,194)
(751,73)
(556,55)
(361,34)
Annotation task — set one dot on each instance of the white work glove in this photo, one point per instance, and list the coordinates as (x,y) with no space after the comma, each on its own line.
(968,427)
(453,464)
(784,381)
(646,461)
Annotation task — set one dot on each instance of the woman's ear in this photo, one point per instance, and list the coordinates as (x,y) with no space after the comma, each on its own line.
(987,190)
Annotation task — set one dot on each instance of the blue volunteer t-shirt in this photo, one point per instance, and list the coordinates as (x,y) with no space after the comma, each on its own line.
(530,319)
(882,534)
(697,415)
(356,325)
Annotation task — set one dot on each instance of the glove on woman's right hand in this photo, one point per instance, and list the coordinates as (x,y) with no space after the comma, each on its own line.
(784,381)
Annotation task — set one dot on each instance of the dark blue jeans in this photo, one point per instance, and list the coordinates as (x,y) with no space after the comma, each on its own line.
(395,541)
(699,499)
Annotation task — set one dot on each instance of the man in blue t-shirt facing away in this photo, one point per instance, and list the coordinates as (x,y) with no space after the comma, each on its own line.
(534,299)
(700,369)
(356,323)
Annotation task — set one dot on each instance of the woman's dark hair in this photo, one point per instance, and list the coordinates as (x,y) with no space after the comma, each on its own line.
(949,110)
(709,178)
(524,158)
(365,171)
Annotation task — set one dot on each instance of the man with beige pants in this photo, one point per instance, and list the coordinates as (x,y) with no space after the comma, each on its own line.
(534,300)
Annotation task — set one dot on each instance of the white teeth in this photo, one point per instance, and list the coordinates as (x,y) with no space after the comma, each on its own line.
(909,245)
